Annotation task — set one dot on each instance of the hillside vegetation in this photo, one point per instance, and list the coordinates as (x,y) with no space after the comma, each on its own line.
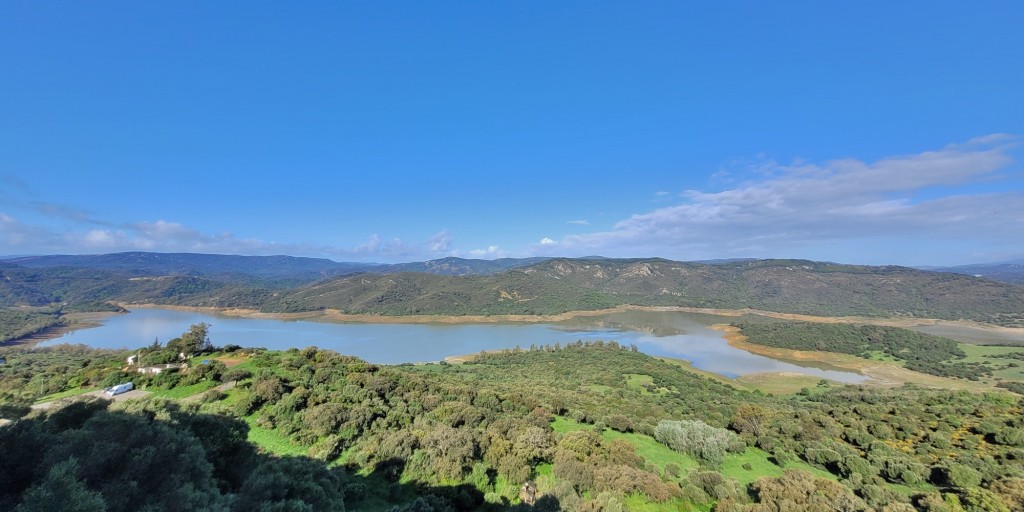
(549,287)
(561,285)
(593,426)
(18,324)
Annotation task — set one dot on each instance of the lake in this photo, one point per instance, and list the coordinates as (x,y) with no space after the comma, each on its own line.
(669,334)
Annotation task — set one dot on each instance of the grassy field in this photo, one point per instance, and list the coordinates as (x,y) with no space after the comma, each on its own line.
(660,455)
(653,451)
(760,466)
(183,391)
(638,503)
(784,383)
(1005,368)
(646,447)
(272,441)
(66,394)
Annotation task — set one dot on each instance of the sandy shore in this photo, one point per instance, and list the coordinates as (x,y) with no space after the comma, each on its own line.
(333,315)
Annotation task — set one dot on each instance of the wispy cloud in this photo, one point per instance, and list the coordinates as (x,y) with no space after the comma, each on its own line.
(17,237)
(800,204)
(492,251)
(441,242)
(581,222)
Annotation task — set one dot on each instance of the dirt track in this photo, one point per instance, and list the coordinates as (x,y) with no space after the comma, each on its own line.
(130,395)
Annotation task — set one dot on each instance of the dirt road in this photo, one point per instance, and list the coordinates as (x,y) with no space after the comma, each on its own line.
(130,395)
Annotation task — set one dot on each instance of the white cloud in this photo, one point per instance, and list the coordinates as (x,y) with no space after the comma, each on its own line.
(15,234)
(99,238)
(547,241)
(166,236)
(376,246)
(441,242)
(581,222)
(492,251)
(921,195)
(371,246)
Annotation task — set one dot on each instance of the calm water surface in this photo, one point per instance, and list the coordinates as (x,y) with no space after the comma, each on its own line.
(679,335)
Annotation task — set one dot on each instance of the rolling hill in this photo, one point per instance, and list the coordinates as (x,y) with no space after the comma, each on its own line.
(475,287)
(559,285)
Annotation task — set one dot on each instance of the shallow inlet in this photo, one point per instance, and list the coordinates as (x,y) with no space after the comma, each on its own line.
(669,334)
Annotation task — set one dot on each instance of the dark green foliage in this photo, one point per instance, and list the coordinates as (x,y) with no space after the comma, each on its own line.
(698,439)
(799,491)
(195,341)
(956,475)
(452,433)
(292,484)
(16,324)
(129,460)
(31,373)
(85,457)
(1016,387)
(921,352)
(62,491)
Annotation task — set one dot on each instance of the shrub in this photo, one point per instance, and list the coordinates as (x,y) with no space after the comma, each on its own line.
(704,442)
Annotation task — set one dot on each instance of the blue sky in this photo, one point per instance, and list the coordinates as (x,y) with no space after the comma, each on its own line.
(866,132)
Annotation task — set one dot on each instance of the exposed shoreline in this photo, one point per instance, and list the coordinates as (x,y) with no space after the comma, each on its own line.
(880,373)
(337,315)
(334,315)
(75,321)
(94,319)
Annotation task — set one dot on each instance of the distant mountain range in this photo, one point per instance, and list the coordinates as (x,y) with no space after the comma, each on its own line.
(274,271)
(1006,271)
(455,286)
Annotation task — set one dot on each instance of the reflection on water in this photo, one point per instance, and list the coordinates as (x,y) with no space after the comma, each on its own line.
(670,334)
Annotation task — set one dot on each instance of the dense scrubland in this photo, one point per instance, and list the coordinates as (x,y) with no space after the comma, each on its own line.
(593,426)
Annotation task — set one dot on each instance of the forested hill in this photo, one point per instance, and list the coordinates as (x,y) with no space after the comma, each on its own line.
(560,285)
(553,286)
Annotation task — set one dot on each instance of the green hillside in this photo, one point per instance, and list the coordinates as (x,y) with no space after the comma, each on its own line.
(594,426)
(548,287)
(560,285)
